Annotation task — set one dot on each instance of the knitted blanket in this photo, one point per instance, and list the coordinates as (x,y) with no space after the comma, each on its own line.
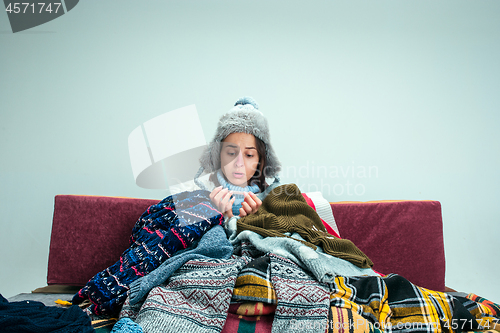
(197,298)
(213,244)
(174,224)
(323,266)
(300,298)
(284,210)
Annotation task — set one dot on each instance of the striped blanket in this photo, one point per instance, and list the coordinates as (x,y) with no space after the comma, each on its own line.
(364,305)
(392,303)
(254,283)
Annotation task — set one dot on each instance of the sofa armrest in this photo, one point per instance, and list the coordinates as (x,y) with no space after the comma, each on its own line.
(403,237)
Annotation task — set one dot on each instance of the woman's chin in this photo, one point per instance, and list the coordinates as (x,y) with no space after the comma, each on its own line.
(238,182)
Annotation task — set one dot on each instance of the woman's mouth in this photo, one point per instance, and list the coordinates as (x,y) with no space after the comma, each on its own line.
(238,175)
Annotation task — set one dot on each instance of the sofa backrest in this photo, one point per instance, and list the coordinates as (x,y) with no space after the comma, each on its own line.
(89,233)
(403,237)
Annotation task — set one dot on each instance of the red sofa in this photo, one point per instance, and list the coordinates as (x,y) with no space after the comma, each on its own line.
(405,237)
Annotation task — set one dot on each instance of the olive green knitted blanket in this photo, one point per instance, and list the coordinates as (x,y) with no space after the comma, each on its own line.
(284,210)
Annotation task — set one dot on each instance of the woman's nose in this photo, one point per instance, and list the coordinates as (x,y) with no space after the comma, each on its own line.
(238,161)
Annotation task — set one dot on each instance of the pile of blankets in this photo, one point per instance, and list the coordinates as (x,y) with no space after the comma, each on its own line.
(256,292)
(163,230)
(274,271)
(210,296)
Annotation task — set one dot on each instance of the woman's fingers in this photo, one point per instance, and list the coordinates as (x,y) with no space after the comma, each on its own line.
(258,202)
(242,211)
(220,194)
(253,201)
(250,204)
(250,201)
(221,198)
(226,202)
(229,212)
(245,209)
(214,193)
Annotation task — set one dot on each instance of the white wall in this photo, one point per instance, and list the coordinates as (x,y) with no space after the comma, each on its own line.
(406,89)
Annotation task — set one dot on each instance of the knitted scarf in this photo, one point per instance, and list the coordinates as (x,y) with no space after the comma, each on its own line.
(163,229)
(284,210)
(238,198)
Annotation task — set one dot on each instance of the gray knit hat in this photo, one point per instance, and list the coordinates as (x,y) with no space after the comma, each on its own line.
(244,117)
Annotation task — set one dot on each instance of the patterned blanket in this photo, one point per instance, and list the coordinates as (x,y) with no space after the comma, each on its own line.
(198,299)
(355,317)
(216,296)
(195,299)
(254,295)
(212,295)
(174,224)
(392,303)
(254,283)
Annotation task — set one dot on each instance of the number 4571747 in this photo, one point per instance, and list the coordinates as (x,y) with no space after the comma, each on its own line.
(38,8)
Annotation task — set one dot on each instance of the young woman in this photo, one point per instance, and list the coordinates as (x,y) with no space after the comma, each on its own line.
(239,159)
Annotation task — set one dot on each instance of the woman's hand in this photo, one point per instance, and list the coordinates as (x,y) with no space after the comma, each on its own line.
(250,204)
(221,198)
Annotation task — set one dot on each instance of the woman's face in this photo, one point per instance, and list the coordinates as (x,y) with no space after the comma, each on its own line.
(239,158)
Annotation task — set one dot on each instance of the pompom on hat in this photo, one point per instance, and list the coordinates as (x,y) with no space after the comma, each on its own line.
(244,117)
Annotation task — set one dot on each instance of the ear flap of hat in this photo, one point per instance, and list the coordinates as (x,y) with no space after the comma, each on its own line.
(273,165)
(210,159)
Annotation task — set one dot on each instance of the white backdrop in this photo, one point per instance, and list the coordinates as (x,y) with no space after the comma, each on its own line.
(395,99)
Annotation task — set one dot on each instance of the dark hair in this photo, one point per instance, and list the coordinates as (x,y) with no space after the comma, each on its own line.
(259,177)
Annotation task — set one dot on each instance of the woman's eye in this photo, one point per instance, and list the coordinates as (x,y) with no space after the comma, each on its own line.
(249,155)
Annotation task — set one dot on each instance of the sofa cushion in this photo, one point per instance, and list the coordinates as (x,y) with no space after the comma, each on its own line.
(89,233)
(403,237)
